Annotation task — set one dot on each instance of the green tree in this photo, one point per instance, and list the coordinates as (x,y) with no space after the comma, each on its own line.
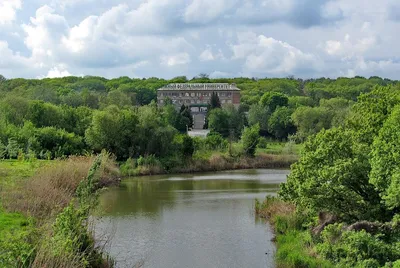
(214,101)
(310,121)
(280,123)
(332,176)
(12,148)
(259,114)
(3,150)
(187,146)
(114,130)
(385,161)
(227,121)
(185,112)
(273,100)
(250,140)
(218,121)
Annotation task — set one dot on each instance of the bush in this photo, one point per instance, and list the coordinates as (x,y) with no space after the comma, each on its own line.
(351,249)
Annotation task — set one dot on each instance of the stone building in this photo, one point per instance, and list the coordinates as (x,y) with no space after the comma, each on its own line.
(197,96)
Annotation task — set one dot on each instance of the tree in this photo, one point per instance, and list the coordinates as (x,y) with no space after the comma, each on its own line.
(385,161)
(187,146)
(2,78)
(311,120)
(227,121)
(12,148)
(185,112)
(214,101)
(280,123)
(332,176)
(259,114)
(250,140)
(218,121)
(114,130)
(3,150)
(273,100)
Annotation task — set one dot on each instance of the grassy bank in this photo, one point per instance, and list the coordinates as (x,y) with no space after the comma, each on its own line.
(214,162)
(295,245)
(324,241)
(44,211)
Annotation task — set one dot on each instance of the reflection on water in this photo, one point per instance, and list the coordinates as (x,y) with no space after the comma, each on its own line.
(201,220)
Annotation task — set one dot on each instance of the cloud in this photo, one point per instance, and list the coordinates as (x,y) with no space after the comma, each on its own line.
(207,11)
(298,13)
(348,48)
(42,35)
(167,38)
(266,55)
(206,55)
(9,59)
(58,71)
(8,10)
(394,11)
(177,59)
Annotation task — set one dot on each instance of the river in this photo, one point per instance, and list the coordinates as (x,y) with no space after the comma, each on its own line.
(190,220)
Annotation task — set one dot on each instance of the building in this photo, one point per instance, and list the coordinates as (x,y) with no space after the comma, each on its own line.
(197,96)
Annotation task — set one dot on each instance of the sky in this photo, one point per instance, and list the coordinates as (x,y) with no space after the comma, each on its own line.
(221,38)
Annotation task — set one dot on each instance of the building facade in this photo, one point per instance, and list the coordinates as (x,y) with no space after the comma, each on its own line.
(197,96)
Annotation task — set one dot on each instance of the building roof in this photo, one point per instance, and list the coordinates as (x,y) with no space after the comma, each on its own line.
(200,86)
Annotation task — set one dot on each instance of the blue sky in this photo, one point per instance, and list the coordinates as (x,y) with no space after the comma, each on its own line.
(223,38)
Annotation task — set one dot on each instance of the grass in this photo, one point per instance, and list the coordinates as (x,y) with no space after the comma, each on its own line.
(295,248)
(217,161)
(32,208)
(278,148)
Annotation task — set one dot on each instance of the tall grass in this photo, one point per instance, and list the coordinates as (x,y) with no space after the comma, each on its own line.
(60,236)
(295,248)
(215,162)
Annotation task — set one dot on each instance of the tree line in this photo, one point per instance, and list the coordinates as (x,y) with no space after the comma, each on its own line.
(50,118)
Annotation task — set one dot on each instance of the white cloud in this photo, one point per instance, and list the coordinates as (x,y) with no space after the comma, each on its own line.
(266,55)
(306,38)
(348,48)
(206,55)
(8,10)
(9,59)
(177,59)
(206,11)
(58,71)
(43,35)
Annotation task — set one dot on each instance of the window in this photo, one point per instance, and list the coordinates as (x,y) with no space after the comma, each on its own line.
(229,101)
(193,94)
(187,94)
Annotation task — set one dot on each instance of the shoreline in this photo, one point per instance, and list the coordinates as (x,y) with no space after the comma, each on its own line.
(215,163)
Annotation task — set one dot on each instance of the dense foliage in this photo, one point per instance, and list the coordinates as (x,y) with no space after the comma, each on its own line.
(352,173)
(57,117)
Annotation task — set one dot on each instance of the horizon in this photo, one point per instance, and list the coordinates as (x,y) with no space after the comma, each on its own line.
(307,39)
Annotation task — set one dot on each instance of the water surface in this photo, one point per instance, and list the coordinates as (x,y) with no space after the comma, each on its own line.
(201,220)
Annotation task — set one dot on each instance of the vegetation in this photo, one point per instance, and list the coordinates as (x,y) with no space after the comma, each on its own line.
(44,219)
(344,190)
(348,167)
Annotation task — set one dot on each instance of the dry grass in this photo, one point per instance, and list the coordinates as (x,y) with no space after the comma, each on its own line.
(50,189)
(53,186)
(273,208)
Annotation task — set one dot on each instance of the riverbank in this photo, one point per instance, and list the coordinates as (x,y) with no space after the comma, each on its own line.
(44,211)
(293,238)
(216,162)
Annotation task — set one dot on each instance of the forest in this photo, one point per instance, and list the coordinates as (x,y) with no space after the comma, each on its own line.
(59,117)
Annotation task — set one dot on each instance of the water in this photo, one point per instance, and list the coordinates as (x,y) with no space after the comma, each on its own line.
(201,220)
